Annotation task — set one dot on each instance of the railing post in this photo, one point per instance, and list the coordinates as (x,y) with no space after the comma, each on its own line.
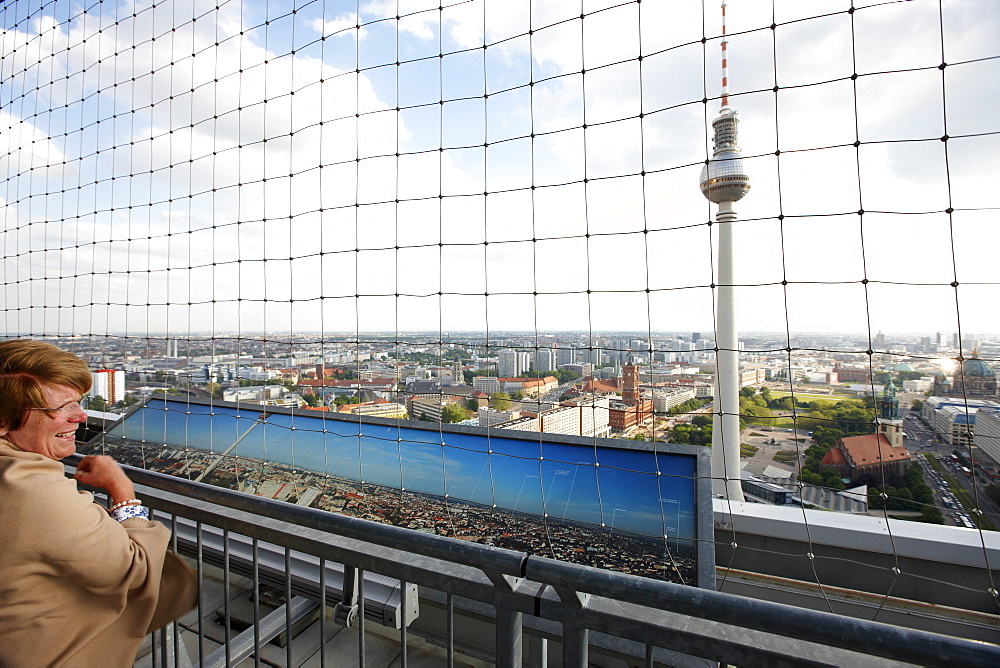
(346,612)
(509,637)
(575,644)
(539,657)
(509,634)
(576,637)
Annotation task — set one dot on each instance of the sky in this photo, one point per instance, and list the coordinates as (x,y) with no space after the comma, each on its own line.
(493,165)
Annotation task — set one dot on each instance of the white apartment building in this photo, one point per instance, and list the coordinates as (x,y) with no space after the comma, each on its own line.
(561,420)
(254,394)
(255,373)
(512,363)
(594,416)
(665,399)
(521,424)
(952,418)
(956,424)
(109,384)
(987,434)
(488,384)
(489,417)
(920,385)
(545,359)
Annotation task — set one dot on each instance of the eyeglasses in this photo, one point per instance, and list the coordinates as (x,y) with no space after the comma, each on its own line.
(65,408)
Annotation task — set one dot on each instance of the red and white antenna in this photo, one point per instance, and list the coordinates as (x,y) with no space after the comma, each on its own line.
(725,60)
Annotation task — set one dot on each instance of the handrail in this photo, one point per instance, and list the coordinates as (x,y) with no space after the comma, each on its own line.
(874,638)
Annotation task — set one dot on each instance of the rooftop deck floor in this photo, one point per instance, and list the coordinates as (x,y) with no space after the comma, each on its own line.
(337,648)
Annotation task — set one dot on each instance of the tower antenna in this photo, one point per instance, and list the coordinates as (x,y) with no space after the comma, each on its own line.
(725,60)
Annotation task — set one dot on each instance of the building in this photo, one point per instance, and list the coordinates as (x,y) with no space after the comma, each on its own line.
(665,399)
(544,359)
(430,406)
(594,415)
(762,491)
(254,394)
(488,384)
(954,419)
(378,408)
(975,378)
(872,458)
(529,387)
(921,385)
(585,369)
(109,384)
(513,363)
(854,374)
(490,417)
(633,410)
(987,432)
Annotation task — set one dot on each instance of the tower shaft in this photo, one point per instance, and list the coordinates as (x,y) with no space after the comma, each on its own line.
(724,182)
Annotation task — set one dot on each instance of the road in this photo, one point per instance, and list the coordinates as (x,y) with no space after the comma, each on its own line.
(921,439)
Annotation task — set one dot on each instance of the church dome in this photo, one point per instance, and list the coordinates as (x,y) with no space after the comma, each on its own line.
(940,377)
(902,366)
(977,368)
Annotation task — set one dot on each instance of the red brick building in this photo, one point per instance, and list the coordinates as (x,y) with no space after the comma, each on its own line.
(633,410)
(871,457)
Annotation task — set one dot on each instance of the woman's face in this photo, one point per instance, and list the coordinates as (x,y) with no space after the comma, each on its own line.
(51,433)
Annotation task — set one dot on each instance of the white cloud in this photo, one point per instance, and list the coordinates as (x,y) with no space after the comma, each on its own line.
(248,143)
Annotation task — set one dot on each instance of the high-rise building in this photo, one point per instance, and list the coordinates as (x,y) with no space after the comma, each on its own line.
(109,384)
(544,359)
(512,363)
(567,355)
(725,182)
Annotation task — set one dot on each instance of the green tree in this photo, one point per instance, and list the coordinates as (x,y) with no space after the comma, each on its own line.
(214,389)
(343,400)
(931,515)
(681,433)
(517,396)
(129,400)
(453,413)
(312,400)
(472,404)
(97,404)
(811,478)
(500,401)
(688,406)
(993,492)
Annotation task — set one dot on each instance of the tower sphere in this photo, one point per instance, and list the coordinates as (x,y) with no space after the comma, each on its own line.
(723,179)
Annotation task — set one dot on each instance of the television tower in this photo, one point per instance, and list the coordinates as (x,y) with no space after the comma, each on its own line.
(724,181)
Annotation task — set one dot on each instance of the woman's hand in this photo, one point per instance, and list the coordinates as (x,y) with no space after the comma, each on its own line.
(104,472)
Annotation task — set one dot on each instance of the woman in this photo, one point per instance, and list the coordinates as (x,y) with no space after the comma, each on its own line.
(80,585)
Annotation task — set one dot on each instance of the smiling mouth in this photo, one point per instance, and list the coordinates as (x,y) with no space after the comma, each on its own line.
(66,434)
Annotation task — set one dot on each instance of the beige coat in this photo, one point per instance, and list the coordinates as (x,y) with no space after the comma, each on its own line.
(78,588)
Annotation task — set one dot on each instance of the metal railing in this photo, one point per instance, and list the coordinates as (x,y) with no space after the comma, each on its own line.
(343,571)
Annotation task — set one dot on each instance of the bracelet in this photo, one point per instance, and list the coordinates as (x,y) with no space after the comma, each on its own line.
(130,511)
(130,502)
